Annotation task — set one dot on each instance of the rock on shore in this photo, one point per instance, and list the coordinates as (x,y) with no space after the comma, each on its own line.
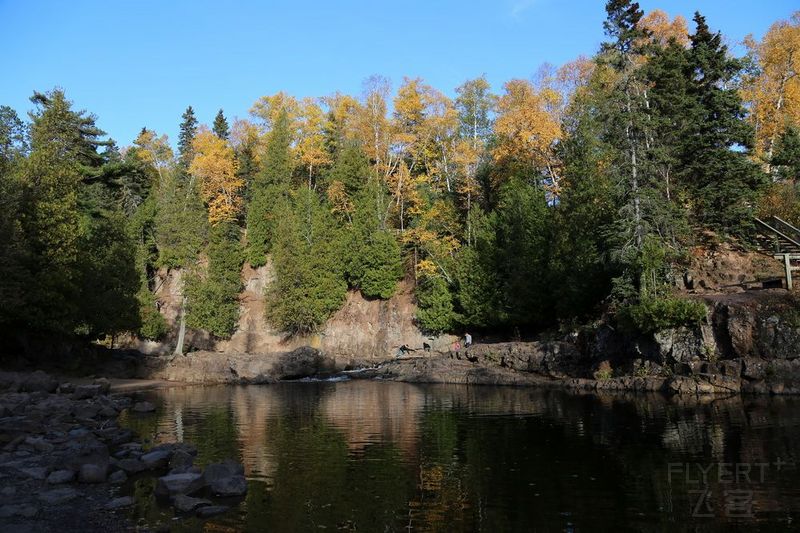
(63,453)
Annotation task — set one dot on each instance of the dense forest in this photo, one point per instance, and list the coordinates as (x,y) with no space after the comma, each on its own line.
(572,194)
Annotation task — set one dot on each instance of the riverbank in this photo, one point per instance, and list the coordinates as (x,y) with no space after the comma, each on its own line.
(67,464)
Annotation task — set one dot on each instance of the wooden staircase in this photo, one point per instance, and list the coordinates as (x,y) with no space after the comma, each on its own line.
(778,238)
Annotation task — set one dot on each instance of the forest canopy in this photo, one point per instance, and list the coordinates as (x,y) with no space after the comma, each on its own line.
(540,203)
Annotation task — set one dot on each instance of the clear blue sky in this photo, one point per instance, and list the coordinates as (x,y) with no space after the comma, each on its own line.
(140,63)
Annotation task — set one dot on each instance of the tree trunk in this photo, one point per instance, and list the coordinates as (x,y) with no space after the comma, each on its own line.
(181,329)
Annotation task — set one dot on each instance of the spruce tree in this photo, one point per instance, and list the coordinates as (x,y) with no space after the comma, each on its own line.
(715,165)
(220,128)
(188,129)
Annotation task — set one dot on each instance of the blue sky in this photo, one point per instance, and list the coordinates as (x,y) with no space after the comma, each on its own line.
(141,63)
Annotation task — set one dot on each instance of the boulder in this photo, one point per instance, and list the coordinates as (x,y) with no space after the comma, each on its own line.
(22,510)
(39,382)
(119,503)
(83,392)
(58,496)
(131,465)
(187,504)
(211,510)
(60,476)
(156,459)
(173,484)
(226,478)
(180,462)
(92,473)
(104,384)
(118,477)
(143,407)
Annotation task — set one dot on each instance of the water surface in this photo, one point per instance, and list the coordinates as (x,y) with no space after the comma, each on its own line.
(383,456)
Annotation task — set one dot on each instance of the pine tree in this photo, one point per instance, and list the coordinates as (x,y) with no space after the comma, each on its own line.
(188,129)
(220,128)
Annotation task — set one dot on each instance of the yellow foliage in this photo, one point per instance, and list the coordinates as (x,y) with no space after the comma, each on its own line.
(425,268)
(663,29)
(214,165)
(337,195)
(774,94)
(268,108)
(153,150)
(311,149)
(528,129)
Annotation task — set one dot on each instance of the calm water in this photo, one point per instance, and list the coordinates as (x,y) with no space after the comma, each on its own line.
(380,456)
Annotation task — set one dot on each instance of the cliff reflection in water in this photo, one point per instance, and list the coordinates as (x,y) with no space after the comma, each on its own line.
(373,456)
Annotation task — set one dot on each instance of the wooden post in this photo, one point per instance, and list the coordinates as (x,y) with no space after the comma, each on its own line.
(787,265)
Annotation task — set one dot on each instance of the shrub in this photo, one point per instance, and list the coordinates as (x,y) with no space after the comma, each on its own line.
(652,314)
(604,371)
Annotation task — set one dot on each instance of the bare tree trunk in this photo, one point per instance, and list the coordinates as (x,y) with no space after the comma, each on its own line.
(181,329)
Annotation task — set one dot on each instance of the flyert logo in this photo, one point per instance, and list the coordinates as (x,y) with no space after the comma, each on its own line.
(734,485)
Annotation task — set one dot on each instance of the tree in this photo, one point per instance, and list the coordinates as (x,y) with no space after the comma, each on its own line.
(309,276)
(527,133)
(214,165)
(773,92)
(715,163)
(220,128)
(188,129)
(269,191)
(435,313)
(180,222)
(212,301)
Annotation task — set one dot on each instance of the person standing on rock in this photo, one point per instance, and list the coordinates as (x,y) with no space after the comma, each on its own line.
(467,340)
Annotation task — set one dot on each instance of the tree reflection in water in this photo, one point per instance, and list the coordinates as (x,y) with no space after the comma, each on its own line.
(370,456)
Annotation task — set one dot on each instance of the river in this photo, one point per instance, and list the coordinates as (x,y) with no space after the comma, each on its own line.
(383,456)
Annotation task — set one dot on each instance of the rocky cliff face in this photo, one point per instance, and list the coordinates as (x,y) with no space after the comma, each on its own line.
(361,331)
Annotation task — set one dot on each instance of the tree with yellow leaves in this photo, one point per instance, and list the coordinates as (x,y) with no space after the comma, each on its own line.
(773,94)
(214,165)
(662,29)
(311,151)
(527,132)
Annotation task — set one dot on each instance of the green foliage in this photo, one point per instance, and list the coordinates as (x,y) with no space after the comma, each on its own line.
(435,312)
(716,139)
(786,158)
(180,221)
(107,278)
(188,129)
(522,239)
(309,275)
(268,192)
(656,313)
(372,256)
(351,168)
(476,274)
(220,128)
(213,298)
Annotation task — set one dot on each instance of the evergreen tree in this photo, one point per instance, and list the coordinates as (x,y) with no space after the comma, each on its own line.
(787,154)
(435,312)
(715,166)
(213,298)
(180,222)
(188,129)
(372,255)
(220,128)
(268,192)
(309,276)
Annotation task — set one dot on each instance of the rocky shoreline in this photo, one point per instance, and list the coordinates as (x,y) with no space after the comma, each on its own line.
(65,461)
